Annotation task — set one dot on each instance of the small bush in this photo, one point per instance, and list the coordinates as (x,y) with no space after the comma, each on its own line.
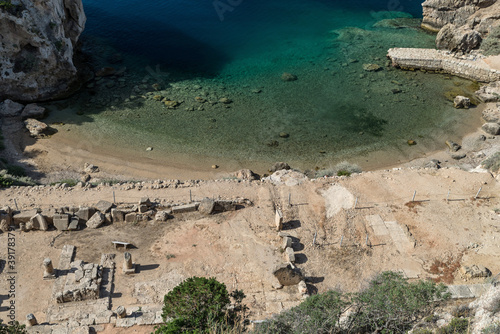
(492,329)
(491,44)
(422,331)
(5,182)
(456,326)
(462,311)
(16,328)
(492,163)
(198,305)
(69,182)
(16,171)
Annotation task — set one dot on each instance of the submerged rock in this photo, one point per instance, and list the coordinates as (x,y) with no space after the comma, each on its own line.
(461,102)
(371,67)
(288,77)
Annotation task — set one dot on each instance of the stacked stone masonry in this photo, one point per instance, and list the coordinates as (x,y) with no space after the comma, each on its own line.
(470,67)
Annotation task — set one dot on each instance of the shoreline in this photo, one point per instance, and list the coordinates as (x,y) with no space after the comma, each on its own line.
(52,160)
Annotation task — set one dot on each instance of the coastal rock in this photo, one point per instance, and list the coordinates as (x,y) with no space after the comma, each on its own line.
(35,127)
(288,77)
(279,166)
(462,24)
(491,115)
(489,93)
(461,102)
(454,38)
(246,174)
(38,43)
(453,146)
(9,108)
(33,111)
(491,128)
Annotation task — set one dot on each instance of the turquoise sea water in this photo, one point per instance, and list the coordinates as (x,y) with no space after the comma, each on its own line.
(191,51)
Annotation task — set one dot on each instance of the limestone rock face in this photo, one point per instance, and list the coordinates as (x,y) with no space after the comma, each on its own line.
(454,38)
(38,39)
(462,24)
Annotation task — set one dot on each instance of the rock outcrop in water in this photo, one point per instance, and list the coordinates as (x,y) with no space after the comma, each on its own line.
(461,24)
(38,39)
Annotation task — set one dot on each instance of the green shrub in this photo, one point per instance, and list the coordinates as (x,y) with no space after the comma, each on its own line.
(5,182)
(69,182)
(422,331)
(198,305)
(462,311)
(492,163)
(317,314)
(6,4)
(456,326)
(492,329)
(391,304)
(16,328)
(16,171)
(491,44)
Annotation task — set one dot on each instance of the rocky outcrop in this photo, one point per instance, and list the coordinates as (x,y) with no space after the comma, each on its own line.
(461,24)
(38,39)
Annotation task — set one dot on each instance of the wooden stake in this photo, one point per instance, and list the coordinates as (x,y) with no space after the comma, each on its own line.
(190,196)
(356,203)
(414,194)
(448,196)
(341,240)
(15,202)
(114,198)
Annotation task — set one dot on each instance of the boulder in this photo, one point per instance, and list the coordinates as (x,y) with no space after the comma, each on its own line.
(288,276)
(89,168)
(9,108)
(453,146)
(475,271)
(207,206)
(4,225)
(371,67)
(96,220)
(38,43)
(454,38)
(162,216)
(33,111)
(288,77)
(35,127)
(279,166)
(492,115)
(245,174)
(491,128)
(461,102)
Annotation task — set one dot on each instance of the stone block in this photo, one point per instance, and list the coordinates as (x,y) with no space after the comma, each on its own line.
(162,216)
(25,216)
(290,255)
(74,224)
(131,217)
(278,220)
(96,220)
(143,208)
(117,215)
(85,213)
(206,206)
(104,206)
(286,243)
(191,207)
(61,221)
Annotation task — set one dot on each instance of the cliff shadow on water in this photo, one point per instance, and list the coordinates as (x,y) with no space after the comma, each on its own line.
(314,87)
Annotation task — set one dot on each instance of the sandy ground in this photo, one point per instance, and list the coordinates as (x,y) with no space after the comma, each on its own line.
(241,248)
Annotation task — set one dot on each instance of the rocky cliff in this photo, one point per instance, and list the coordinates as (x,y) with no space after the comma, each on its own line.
(37,44)
(461,24)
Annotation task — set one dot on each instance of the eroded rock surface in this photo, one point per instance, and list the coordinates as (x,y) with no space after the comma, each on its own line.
(38,41)
(461,24)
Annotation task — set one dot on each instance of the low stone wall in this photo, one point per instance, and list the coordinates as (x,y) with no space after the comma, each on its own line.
(468,67)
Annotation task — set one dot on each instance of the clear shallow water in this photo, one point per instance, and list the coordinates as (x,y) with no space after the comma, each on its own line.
(335,110)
